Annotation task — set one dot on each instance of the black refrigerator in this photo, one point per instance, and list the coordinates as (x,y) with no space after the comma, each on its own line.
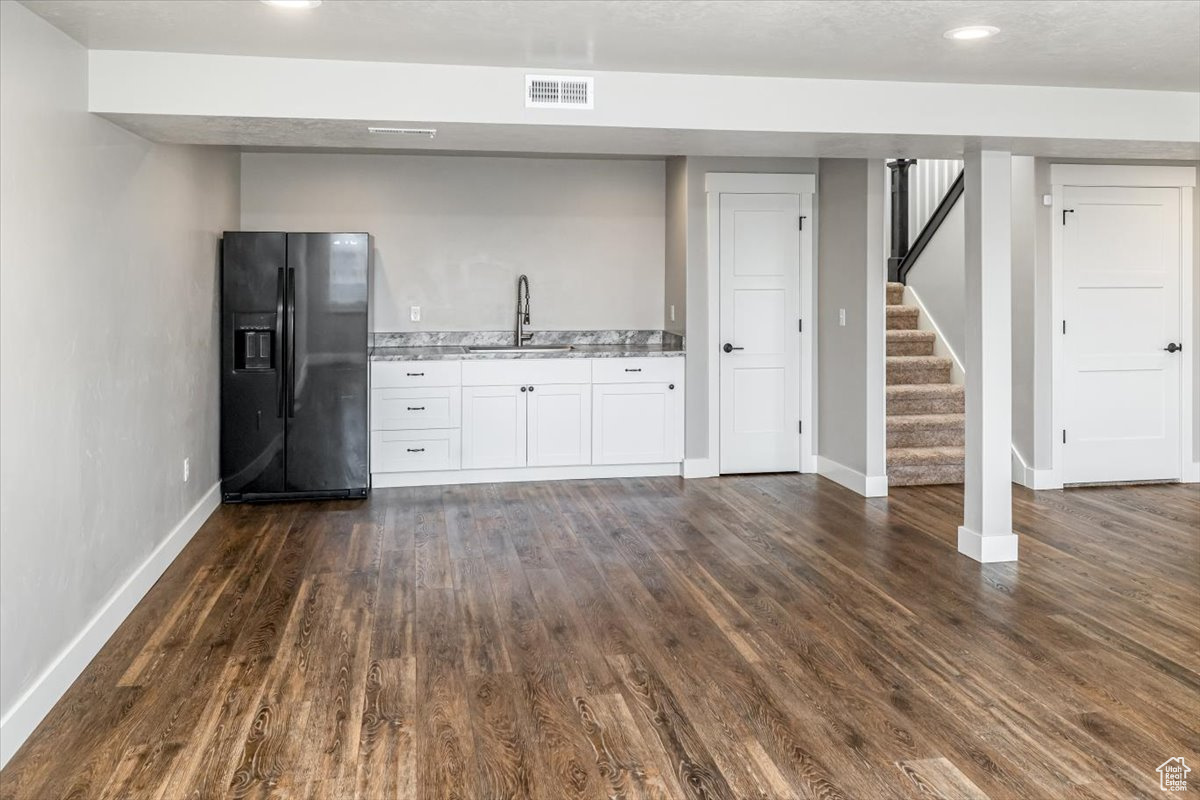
(294,365)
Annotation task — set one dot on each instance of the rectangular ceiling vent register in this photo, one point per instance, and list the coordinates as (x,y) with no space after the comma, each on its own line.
(558,91)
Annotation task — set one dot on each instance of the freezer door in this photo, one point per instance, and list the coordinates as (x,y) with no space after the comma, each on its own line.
(253,266)
(327,353)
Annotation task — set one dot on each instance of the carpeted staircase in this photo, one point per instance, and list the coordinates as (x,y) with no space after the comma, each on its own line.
(925,420)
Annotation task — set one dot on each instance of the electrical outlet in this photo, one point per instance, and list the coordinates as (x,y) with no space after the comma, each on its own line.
(842,317)
(414,313)
(187,469)
(672,313)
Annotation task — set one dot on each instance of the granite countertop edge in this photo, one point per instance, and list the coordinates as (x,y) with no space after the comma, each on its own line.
(460,353)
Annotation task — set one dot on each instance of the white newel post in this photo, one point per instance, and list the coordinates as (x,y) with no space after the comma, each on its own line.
(986,533)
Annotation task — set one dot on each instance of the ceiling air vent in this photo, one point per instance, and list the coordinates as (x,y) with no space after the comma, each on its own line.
(557,91)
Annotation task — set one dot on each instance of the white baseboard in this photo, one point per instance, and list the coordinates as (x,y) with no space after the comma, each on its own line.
(1191,473)
(1031,478)
(392,480)
(987,549)
(31,707)
(700,468)
(855,481)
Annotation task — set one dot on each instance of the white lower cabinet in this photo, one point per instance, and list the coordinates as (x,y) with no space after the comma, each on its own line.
(559,425)
(493,420)
(525,413)
(415,451)
(637,423)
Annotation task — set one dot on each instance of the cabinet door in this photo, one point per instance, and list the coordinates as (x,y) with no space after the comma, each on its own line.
(493,427)
(637,423)
(560,425)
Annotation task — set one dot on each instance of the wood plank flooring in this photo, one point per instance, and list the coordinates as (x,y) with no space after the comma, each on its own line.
(745,637)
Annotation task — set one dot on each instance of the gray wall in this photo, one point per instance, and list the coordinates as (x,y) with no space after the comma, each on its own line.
(108,343)
(697,288)
(851,273)
(676,245)
(453,233)
(938,279)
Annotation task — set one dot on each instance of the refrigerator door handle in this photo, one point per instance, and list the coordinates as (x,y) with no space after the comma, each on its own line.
(279,352)
(291,333)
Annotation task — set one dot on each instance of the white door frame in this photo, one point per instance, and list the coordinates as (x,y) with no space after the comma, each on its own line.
(805,185)
(1184,180)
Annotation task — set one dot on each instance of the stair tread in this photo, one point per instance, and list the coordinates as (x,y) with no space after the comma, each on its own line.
(901,309)
(895,285)
(925,456)
(922,390)
(911,333)
(932,361)
(905,421)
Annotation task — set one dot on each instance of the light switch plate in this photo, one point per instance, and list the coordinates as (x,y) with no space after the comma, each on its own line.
(414,313)
(1047,200)
(842,317)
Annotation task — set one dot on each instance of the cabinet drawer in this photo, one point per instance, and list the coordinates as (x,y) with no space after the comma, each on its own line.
(415,451)
(638,370)
(416,409)
(521,371)
(410,374)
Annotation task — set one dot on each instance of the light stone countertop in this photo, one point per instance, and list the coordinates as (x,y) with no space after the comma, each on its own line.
(460,352)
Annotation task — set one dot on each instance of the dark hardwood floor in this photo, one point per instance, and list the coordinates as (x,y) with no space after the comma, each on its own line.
(747,637)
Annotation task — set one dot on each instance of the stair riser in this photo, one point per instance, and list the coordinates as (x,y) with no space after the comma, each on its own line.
(903,321)
(907,348)
(902,374)
(952,436)
(927,405)
(895,296)
(925,475)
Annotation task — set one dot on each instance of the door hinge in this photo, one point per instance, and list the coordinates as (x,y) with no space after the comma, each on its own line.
(1065,212)
(1064,435)
(801,222)
(800,326)
(1064,326)
(800,426)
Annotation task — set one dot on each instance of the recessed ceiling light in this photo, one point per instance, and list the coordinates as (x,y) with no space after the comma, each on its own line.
(293,3)
(971,32)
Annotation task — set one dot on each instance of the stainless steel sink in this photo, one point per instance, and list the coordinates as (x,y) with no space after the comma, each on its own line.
(529,348)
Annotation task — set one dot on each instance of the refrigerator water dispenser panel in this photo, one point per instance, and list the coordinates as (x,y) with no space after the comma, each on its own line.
(254,342)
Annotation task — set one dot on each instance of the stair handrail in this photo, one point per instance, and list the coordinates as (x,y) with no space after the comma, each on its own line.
(931,227)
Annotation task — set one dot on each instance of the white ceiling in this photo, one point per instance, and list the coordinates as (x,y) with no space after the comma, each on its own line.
(1137,44)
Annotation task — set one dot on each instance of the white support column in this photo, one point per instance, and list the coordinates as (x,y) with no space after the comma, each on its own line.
(986,533)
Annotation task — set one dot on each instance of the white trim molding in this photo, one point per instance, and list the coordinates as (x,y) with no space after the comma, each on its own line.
(391,480)
(1030,478)
(701,468)
(987,549)
(852,479)
(32,707)
(1119,175)
(1184,180)
(804,185)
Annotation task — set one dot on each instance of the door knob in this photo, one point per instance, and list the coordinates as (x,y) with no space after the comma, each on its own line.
(1173,348)
(728,348)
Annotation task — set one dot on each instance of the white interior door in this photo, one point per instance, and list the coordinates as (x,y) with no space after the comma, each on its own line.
(560,424)
(1121,306)
(760,338)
